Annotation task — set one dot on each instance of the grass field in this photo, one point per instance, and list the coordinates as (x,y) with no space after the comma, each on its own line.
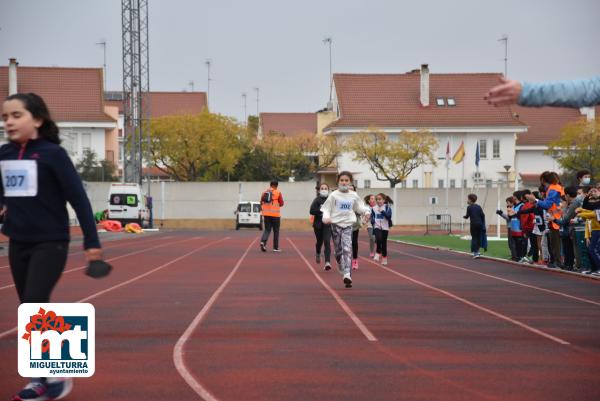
(497,249)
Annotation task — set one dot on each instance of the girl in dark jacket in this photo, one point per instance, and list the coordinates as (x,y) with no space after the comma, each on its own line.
(38,180)
(322,231)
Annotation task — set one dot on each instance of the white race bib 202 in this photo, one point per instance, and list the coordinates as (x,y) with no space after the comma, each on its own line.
(19,178)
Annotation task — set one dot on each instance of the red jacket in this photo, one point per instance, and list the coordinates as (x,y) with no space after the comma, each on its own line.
(527,220)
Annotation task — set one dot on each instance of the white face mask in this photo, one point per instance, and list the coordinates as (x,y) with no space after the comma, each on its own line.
(586,181)
(324,193)
(343,188)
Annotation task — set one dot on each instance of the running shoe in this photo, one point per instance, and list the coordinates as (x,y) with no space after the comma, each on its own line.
(376,257)
(371,255)
(384,261)
(276,250)
(263,247)
(59,387)
(327,266)
(586,271)
(348,280)
(596,273)
(354,264)
(35,390)
(318,258)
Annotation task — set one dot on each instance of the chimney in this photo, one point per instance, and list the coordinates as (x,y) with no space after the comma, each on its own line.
(424,85)
(12,76)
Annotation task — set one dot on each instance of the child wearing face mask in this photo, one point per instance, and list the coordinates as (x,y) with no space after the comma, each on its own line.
(340,210)
(381,219)
(322,230)
(370,202)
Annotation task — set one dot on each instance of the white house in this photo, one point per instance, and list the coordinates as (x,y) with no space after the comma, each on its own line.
(74,97)
(451,106)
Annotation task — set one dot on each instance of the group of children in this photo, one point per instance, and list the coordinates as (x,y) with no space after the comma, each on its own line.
(339,215)
(556,226)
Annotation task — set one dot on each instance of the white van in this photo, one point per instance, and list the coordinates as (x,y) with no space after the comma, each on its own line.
(248,215)
(127,204)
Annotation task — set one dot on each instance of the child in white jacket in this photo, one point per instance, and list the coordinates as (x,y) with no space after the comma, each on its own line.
(340,210)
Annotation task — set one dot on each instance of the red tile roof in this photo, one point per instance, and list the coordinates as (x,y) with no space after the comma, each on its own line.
(544,123)
(72,94)
(169,103)
(290,124)
(392,100)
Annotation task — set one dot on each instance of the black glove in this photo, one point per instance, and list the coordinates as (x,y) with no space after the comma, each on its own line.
(499,212)
(98,269)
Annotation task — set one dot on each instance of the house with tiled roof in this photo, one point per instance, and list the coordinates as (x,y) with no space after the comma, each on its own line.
(161,104)
(288,124)
(450,106)
(544,125)
(75,99)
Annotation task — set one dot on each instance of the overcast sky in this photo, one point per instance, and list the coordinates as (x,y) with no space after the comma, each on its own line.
(276,45)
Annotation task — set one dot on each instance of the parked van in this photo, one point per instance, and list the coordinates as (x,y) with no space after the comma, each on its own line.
(127,203)
(248,215)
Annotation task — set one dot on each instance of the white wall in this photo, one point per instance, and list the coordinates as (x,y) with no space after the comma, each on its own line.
(535,161)
(218,200)
(490,168)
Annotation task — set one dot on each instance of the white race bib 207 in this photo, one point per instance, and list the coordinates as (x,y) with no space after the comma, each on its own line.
(19,178)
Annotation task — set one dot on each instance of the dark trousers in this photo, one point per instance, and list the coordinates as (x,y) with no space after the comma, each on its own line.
(595,250)
(355,244)
(381,237)
(323,235)
(511,246)
(475,237)
(534,251)
(555,245)
(568,251)
(36,267)
(582,253)
(271,223)
(520,246)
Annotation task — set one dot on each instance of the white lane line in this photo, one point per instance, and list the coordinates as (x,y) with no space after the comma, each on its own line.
(178,351)
(361,326)
(124,283)
(473,304)
(562,294)
(116,258)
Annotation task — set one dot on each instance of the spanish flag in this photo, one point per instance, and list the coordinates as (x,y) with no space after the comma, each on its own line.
(459,156)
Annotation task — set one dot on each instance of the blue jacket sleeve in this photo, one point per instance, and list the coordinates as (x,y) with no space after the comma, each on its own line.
(576,93)
(72,187)
(553,198)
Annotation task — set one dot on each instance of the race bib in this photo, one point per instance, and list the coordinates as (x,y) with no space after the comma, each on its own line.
(344,205)
(19,178)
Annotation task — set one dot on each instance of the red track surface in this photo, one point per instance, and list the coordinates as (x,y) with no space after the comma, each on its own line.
(208,316)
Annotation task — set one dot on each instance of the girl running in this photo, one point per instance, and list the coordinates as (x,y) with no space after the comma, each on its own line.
(340,210)
(36,219)
(370,201)
(322,230)
(381,220)
(355,230)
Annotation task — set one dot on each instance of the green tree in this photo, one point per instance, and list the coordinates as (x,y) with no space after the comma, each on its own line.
(578,148)
(197,147)
(92,169)
(252,124)
(393,160)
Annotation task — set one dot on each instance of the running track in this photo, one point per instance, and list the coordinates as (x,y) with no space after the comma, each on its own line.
(206,315)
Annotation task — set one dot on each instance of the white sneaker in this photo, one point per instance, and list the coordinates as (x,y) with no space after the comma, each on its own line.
(384,261)
(277,250)
(376,257)
(348,280)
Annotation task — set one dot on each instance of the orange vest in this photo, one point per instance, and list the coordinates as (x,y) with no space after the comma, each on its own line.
(272,209)
(555,210)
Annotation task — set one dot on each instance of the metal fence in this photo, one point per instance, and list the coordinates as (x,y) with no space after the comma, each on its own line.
(438,224)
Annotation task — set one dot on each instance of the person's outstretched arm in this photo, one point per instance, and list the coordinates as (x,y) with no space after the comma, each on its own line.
(576,93)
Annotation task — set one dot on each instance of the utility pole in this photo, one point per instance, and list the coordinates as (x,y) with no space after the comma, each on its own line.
(191,84)
(208,62)
(504,39)
(329,41)
(244,99)
(257,90)
(103,44)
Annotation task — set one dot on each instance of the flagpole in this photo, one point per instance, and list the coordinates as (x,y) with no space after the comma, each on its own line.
(462,195)
(447,175)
